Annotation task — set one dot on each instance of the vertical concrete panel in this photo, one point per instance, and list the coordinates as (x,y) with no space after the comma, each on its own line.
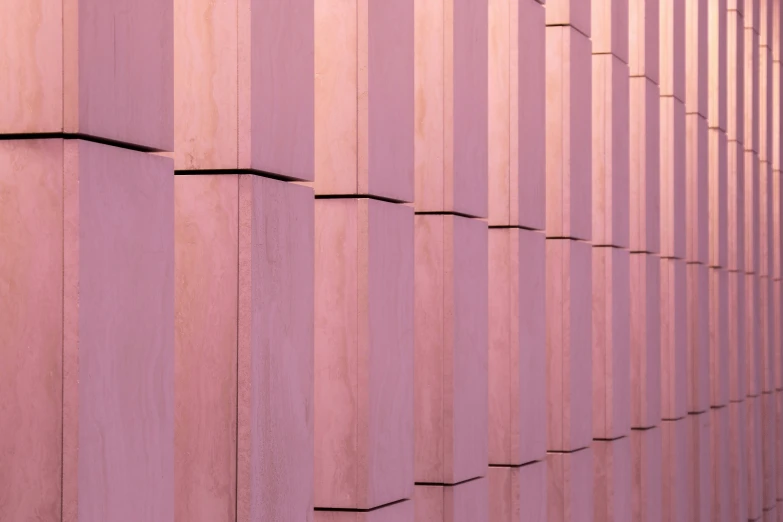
(718,198)
(700,459)
(206,228)
(31,331)
(276,355)
(451,360)
(645,157)
(697,188)
(570,481)
(719,336)
(644,32)
(736,336)
(676,471)
(611,305)
(674,339)
(672,49)
(646,479)
(119,342)
(609,31)
(738,473)
(363,353)
(735,215)
(698,338)
(569,357)
(451,125)
(610,185)
(645,310)
(518,494)
(517,347)
(612,480)
(568,132)
(672,178)
(696,57)
(721,471)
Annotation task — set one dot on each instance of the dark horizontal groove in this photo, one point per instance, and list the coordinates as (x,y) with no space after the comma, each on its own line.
(641,252)
(609,246)
(253,172)
(443,213)
(732,401)
(690,413)
(609,439)
(695,263)
(515,466)
(646,428)
(563,452)
(78,136)
(567,238)
(361,196)
(672,258)
(358,510)
(569,25)
(443,484)
(513,227)
(719,407)
(672,419)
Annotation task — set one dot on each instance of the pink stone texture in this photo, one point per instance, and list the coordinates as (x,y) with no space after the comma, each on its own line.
(568,131)
(645,157)
(610,185)
(243,86)
(450,93)
(517,346)
(612,480)
(609,28)
(737,506)
(451,400)
(645,312)
(517,94)
(646,473)
(568,335)
(676,471)
(674,339)
(697,277)
(696,57)
(570,486)
(751,214)
(735,206)
(465,502)
(363,414)
(518,494)
(89,67)
(752,341)
(701,463)
(672,49)
(576,13)
(736,337)
(754,457)
(719,336)
(696,188)
(364,99)
(720,435)
(89,391)
(672,178)
(735,70)
(718,198)
(644,32)
(235,305)
(717,55)
(611,355)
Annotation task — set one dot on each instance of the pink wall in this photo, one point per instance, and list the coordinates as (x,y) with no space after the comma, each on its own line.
(421,261)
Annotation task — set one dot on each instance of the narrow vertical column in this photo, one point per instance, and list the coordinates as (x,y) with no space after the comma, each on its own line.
(736,53)
(698,109)
(570,464)
(87,328)
(719,360)
(753,358)
(244,122)
(645,264)
(364,260)
(675,502)
(517,264)
(767,53)
(451,271)
(777,241)
(611,262)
